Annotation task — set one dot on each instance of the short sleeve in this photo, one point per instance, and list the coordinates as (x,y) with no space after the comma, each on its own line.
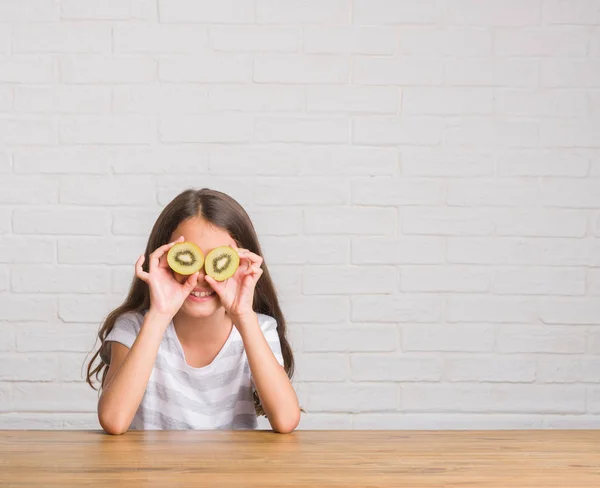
(125,331)
(269,328)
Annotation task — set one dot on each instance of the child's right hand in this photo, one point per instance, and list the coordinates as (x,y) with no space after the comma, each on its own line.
(166,294)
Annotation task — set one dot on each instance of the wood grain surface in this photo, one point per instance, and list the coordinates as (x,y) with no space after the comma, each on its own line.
(542,458)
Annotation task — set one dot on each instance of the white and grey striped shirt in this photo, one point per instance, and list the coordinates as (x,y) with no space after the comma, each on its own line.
(179,396)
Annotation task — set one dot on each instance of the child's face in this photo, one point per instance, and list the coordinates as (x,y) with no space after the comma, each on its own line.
(206,237)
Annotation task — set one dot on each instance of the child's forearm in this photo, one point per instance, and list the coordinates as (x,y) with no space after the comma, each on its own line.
(122,395)
(274,388)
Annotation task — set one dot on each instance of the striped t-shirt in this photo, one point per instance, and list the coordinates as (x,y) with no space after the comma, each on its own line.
(179,396)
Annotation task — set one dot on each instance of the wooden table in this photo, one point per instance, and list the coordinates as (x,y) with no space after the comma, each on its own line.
(319,459)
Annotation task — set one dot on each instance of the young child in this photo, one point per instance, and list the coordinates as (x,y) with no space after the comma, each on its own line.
(189,352)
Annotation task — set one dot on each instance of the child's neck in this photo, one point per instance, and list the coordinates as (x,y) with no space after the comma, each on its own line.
(203,330)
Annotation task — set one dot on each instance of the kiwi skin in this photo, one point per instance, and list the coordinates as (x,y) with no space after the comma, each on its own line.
(220,253)
(188,247)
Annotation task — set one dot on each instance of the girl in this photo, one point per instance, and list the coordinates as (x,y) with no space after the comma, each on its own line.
(189,352)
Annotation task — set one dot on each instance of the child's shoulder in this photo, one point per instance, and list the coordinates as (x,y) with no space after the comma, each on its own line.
(266,322)
(130,319)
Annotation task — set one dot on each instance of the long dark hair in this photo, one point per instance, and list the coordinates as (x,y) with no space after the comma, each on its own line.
(222,211)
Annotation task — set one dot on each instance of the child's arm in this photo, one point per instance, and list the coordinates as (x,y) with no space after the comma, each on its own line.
(274,388)
(128,375)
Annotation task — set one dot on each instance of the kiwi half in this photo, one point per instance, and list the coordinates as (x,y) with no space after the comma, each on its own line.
(222,262)
(185,258)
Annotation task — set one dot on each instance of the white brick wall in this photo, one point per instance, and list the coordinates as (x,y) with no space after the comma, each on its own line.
(424,176)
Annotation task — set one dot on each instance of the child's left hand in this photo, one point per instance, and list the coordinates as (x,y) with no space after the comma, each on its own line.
(237,293)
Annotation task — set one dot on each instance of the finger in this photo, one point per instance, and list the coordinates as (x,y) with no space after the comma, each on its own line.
(139,271)
(218,286)
(253,257)
(156,255)
(190,283)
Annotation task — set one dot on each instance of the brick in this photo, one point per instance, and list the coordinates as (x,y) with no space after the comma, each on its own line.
(61,37)
(205,68)
(338,280)
(447,100)
(5,39)
(87,308)
(593,399)
(206,128)
(558,369)
(569,73)
(65,159)
(28,189)
(55,397)
(322,367)
(206,11)
(6,98)
(386,191)
(544,222)
(269,221)
(396,308)
(5,221)
(352,99)
(108,10)
(504,72)
(539,281)
(256,98)
(385,367)
(569,133)
(332,12)
(28,367)
(352,221)
(495,369)
(481,308)
(519,251)
(593,282)
(32,11)
(62,99)
(301,191)
(39,421)
(72,367)
(571,421)
(51,279)
(448,421)
(314,309)
(480,13)
(540,339)
(589,369)
(270,160)
(447,162)
(392,131)
(333,397)
(559,192)
(448,338)
(105,190)
(160,99)
(323,421)
(301,69)
(61,221)
(7,335)
(306,250)
(390,12)
(121,279)
(105,250)
(26,68)
(543,162)
(349,40)
(449,41)
(249,38)
(15,249)
(97,69)
(238,189)
(54,337)
(32,307)
(143,160)
(405,70)
(459,221)
(27,130)
(576,12)
(536,103)
(403,250)
(81,421)
(350,338)
(289,282)
(510,398)
(570,311)
(114,129)
(444,279)
(547,42)
(159,38)
(133,222)
(4,278)
(320,130)
(501,192)
(486,133)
